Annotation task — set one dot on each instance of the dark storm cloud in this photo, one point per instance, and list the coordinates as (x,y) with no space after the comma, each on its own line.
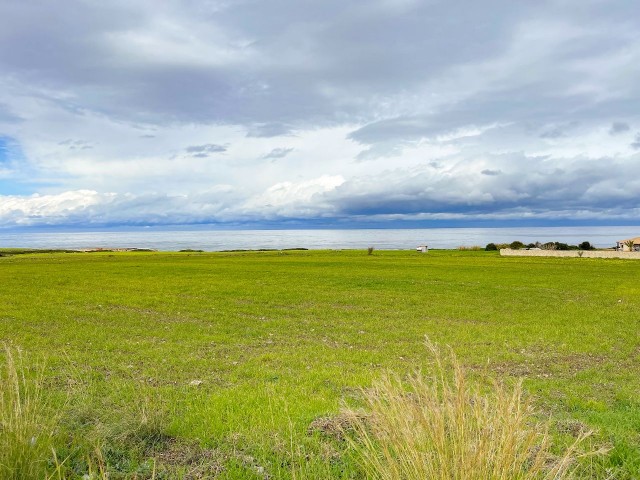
(277,153)
(7,115)
(291,62)
(268,130)
(591,185)
(204,151)
(594,189)
(619,127)
(72,144)
(553,133)
(284,63)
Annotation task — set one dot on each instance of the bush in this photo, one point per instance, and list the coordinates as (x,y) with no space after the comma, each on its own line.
(586,246)
(470,247)
(491,247)
(517,245)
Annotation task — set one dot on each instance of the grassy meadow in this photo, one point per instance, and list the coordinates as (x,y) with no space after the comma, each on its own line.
(237,365)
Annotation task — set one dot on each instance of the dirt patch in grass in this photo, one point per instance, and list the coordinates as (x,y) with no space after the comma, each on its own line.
(335,426)
(572,427)
(186,459)
(561,366)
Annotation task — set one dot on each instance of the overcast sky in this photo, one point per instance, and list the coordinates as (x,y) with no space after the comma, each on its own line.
(323,112)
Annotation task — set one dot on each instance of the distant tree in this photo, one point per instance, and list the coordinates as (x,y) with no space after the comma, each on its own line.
(585,246)
(517,245)
(549,246)
(532,245)
(491,247)
(562,246)
(629,244)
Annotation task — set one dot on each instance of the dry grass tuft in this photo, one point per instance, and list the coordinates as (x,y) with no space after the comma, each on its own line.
(441,427)
(26,420)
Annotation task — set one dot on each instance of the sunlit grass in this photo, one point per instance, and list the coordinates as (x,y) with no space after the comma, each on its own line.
(238,354)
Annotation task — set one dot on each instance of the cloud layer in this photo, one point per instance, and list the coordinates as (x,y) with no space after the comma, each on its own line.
(139,112)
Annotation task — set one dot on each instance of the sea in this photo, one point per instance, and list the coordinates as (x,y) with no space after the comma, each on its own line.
(383,239)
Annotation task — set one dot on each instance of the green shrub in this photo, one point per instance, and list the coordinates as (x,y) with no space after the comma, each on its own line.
(491,247)
(517,245)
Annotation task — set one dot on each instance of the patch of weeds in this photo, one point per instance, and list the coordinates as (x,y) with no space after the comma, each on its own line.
(27,420)
(114,435)
(441,427)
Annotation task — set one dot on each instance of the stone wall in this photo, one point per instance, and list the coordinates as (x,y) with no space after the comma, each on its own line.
(507,252)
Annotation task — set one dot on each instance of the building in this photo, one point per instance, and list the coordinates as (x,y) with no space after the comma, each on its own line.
(623,245)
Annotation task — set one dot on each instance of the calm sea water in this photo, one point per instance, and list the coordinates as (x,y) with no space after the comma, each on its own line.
(216,240)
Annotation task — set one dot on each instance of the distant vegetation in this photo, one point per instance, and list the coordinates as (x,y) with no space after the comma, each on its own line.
(470,248)
(5,252)
(518,245)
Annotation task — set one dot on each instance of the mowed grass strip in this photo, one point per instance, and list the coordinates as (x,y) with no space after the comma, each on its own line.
(241,352)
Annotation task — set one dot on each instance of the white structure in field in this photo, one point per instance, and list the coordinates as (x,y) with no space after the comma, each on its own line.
(422,248)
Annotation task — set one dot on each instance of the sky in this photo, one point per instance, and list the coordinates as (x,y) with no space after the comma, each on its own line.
(287,113)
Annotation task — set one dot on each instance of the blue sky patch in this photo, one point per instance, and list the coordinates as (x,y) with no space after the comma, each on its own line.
(12,187)
(9,151)
(10,155)
(4,150)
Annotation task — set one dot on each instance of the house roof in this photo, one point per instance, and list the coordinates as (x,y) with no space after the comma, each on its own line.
(636,240)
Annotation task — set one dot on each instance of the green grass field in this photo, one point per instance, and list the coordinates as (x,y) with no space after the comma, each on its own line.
(222,363)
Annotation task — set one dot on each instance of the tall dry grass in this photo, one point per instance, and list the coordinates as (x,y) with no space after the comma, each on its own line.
(26,420)
(442,427)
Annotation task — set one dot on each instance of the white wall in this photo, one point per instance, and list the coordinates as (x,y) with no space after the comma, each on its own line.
(507,252)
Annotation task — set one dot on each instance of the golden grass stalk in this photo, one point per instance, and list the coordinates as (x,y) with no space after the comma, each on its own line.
(441,427)
(26,421)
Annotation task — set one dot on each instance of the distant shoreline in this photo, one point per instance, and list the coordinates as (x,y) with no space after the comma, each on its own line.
(355,239)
